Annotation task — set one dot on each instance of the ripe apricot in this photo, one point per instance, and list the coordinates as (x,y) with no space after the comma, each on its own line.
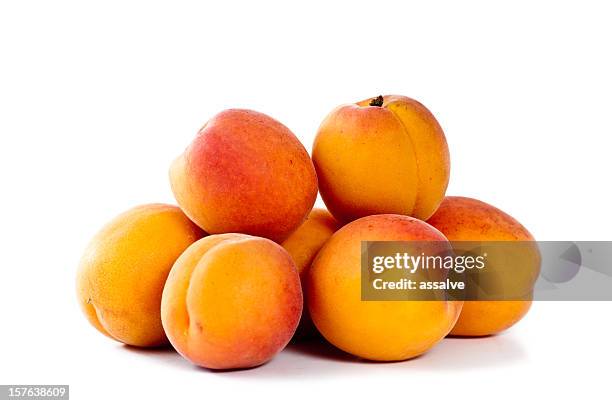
(381,155)
(303,245)
(375,330)
(246,173)
(231,301)
(123,270)
(466,219)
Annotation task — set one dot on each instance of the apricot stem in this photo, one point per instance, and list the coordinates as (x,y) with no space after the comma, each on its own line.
(377,101)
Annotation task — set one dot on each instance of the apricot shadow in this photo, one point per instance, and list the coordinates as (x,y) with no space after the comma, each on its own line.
(164,354)
(316,358)
(318,347)
(469,353)
(322,349)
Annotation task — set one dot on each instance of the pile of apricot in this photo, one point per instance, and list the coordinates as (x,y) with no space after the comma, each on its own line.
(244,263)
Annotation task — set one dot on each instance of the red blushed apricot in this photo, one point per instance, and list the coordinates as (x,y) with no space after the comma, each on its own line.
(231,301)
(247,173)
(303,245)
(381,155)
(466,219)
(375,330)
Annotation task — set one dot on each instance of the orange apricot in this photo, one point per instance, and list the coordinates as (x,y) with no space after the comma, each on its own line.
(123,271)
(466,219)
(231,301)
(381,155)
(375,330)
(303,245)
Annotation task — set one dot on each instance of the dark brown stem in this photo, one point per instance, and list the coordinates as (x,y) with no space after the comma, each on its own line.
(377,101)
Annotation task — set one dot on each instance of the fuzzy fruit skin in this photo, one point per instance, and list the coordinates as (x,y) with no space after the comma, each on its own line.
(123,271)
(374,330)
(303,245)
(376,160)
(466,219)
(245,173)
(231,301)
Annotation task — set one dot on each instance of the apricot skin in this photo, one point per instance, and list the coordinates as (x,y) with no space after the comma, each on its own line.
(246,173)
(376,160)
(231,301)
(466,219)
(303,245)
(123,270)
(374,330)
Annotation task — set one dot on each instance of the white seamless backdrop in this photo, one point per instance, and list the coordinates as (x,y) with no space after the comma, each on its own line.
(97,98)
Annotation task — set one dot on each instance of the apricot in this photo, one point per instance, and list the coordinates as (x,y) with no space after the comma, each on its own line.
(381,155)
(375,330)
(466,219)
(303,245)
(122,273)
(246,173)
(231,301)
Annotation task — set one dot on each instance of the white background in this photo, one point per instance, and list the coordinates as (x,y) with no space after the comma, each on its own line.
(97,99)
